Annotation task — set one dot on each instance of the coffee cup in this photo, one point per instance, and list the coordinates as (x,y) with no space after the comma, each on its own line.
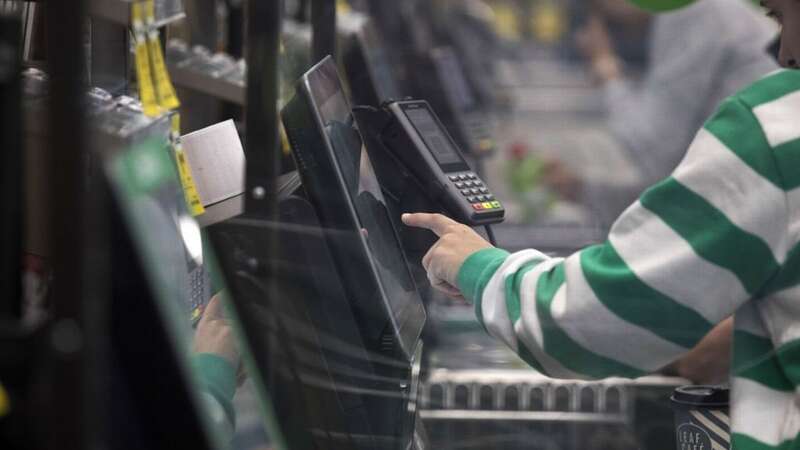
(702,421)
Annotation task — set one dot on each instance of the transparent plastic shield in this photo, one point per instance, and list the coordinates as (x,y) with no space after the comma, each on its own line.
(216,363)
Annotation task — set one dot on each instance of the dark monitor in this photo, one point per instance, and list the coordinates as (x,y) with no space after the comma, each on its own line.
(339,178)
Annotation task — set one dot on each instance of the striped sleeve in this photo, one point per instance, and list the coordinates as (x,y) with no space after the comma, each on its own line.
(685,256)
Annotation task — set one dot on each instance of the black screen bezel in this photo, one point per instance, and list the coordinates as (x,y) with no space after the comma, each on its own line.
(408,321)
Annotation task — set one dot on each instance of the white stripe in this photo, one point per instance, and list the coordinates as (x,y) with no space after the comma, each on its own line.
(746,198)
(529,328)
(762,413)
(579,313)
(748,319)
(793,199)
(778,119)
(722,417)
(663,260)
(780,312)
(493,300)
(723,434)
(553,367)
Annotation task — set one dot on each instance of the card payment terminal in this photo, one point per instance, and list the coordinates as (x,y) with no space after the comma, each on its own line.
(419,140)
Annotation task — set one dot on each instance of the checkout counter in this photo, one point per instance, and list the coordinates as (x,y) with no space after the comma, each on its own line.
(343,344)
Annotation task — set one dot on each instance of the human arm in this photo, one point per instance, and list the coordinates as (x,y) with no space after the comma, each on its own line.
(709,362)
(215,360)
(681,259)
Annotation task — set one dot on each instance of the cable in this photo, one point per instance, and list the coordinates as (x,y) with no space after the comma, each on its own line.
(490,235)
(366,108)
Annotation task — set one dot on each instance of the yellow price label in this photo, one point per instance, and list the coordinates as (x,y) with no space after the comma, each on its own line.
(184,171)
(136,14)
(150,11)
(147,92)
(175,125)
(189,188)
(165,91)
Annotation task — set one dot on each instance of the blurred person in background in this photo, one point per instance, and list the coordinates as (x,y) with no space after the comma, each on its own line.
(693,58)
(720,236)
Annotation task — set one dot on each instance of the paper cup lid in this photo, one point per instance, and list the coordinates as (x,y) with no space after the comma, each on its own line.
(704,396)
(661,5)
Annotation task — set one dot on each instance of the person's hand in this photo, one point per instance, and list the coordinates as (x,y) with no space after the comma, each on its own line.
(214,333)
(594,41)
(709,362)
(445,258)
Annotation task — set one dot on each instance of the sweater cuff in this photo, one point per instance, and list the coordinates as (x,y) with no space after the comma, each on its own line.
(218,378)
(477,270)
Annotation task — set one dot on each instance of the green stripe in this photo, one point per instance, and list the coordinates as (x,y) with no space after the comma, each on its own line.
(560,346)
(789,357)
(514,288)
(711,234)
(787,155)
(475,273)
(735,125)
(528,357)
(754,358)
(771,88)
(218,377)
(789,275)
(623,293)
(745,442)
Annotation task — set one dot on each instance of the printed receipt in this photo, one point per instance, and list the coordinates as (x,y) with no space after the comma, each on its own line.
(216,159)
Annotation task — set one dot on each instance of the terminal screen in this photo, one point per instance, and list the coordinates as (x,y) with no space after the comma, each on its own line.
(364,191)
(436,141)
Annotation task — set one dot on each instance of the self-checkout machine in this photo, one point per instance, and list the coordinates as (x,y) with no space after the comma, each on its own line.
(321,285)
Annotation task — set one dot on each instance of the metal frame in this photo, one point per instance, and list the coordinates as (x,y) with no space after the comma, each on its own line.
(11,168)
(67,419)
(323,24)
(261,139)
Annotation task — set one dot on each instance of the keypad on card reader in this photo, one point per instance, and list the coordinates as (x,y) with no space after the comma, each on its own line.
(475,192)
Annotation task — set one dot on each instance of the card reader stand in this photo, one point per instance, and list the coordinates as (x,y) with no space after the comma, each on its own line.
(405,193)
(411,191)
(402,190)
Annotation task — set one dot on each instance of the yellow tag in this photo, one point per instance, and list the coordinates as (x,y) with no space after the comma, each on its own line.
(175,125)
(149,11)
(342,7)
(165,91)
(5,402)
(136,13)
(164,88)
(147,92)
(286,147)
(184,171)
(189,189)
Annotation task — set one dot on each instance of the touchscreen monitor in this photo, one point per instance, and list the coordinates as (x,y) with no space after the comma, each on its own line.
(356,200)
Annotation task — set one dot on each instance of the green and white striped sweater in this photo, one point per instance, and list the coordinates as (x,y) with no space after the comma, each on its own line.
(720,236)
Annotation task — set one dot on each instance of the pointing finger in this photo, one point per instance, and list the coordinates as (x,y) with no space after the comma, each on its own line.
(434,222)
